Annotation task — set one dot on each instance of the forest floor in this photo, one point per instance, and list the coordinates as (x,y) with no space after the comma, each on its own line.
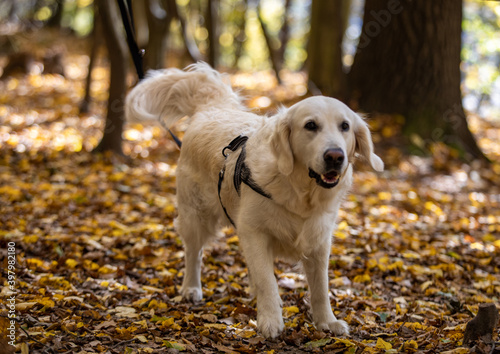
(99,264)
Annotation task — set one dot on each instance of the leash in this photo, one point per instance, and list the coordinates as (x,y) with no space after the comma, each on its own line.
(136,53)
(128,23)
(241,172)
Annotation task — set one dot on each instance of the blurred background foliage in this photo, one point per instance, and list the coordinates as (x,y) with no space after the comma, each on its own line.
(254,40)
(242,44)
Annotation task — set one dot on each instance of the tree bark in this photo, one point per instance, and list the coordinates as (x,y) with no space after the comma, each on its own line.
(55,19)
(324,51)
(211,23)
(408,62)
(276,61)
(159,20)
(191,48)
(113,37)
(96,43)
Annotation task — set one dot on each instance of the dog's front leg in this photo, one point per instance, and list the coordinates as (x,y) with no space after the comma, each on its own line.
(316,268)
(260,260)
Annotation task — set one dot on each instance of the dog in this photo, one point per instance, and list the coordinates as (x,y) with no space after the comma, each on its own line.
(279,180)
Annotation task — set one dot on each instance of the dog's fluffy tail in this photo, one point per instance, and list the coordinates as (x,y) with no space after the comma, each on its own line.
(170,94)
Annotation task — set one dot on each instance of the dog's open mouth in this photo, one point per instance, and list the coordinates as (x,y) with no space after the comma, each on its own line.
(327,180)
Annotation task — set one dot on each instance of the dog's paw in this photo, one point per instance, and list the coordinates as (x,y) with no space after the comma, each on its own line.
(337,327)
(270,326)
(192,294)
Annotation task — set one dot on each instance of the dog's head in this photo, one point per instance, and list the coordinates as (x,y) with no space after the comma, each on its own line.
(323,135)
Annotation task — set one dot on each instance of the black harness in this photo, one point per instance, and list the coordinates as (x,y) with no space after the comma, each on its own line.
(241,172)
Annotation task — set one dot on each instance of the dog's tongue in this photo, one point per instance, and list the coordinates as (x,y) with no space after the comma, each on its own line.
(330,177)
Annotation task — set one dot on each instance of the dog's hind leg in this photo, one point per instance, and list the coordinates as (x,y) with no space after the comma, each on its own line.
(195,228)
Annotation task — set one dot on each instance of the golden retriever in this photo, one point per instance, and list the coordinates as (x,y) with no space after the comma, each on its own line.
(281,188)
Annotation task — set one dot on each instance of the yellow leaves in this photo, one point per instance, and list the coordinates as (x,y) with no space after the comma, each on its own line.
(140,302)
(362,278)
(107,269)
(12,193)
(411,255)
(290,311)
(71,263)
(395,265)
(236,286)
(371,263)
(340,235)
(489,238)
(382,344)
(35,263)
(169,323)
(426,284)
(384,196)
(46,302)
(155,304)
(409,346)
(30,239)
(118,225)
(89,265)
(416,326)
(219,326)
(55,282)
(126,333)
(342,225)
(117,177)
(345,342)
(434,208)
(169,209)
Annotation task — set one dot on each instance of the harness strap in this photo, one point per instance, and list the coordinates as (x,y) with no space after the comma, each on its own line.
(241,172)
(219,186)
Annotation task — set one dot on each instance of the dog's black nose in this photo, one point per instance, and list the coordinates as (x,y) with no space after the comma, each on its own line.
(334,158)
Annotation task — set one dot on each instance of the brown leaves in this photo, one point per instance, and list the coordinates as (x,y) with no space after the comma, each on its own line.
(99,264)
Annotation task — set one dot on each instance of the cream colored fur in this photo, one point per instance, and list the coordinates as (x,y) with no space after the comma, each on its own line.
(298,222)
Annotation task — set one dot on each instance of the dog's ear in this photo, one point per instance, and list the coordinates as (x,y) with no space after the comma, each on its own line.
(281,144)
(364,144)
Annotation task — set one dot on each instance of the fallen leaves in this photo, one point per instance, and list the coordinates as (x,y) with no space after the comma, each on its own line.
(105,276)
(99,264)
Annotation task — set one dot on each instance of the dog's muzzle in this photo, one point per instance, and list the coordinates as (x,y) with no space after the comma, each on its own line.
(333,159)
(327,180)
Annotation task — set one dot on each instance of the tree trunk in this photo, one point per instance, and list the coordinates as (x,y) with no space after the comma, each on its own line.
(211,23)
(191,48)
(324,51)
(241,22)
(159,19)
(284,34)
(276,61)
(114,39)
(408,62)
(96,38)
(55,19)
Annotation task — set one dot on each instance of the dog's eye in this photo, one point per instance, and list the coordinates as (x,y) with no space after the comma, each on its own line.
(311,126)
(344,126)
